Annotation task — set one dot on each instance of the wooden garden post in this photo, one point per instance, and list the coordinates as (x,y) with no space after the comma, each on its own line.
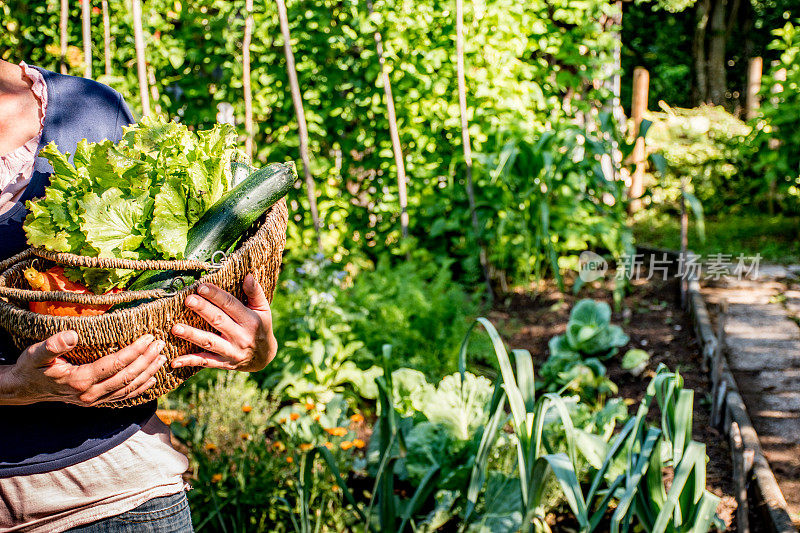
(641,81)
(754,67)
(301,117)
(106,37)
(141,69)
(466,143)
(87,38)
(63,31)
(248,93)
(393,133)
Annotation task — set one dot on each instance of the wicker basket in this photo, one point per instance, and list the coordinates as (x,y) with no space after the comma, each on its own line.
(100,335)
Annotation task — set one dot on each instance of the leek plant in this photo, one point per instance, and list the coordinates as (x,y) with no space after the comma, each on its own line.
(639,490)
(625,474)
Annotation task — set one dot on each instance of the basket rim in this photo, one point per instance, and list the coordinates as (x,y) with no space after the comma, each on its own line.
(276,215)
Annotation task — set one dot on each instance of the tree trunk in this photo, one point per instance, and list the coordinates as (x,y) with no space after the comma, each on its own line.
(393,133)
(106,37)
(716,54)
(141,68)
(63,30)
(87,38)
(700,82)
(301,118)
(248,93)
(467,144)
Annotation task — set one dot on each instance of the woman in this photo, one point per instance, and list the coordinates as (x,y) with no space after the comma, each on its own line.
(65,464)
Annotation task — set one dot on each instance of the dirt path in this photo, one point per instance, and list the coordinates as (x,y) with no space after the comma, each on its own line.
(763,350)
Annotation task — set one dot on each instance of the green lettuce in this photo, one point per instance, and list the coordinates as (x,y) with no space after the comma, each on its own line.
(136,199)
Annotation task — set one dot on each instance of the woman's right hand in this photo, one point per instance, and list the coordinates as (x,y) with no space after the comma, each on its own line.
(40,375)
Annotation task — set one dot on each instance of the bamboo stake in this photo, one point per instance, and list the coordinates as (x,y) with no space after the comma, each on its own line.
(248,93)
(754,67)
(301,117)
(140,51)
(64,37)
(641,82)
(466,143)
(106,37)
(393,132)
(87,39)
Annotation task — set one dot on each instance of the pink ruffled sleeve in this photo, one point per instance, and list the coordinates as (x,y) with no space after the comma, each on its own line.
(16,168)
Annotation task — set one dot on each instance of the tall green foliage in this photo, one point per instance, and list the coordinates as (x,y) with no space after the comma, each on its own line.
(538,77)
(777,138)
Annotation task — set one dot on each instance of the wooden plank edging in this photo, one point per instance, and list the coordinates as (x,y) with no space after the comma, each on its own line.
(749,457)
(736,412)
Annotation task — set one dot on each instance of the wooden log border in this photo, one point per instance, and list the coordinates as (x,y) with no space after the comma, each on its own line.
(750,467)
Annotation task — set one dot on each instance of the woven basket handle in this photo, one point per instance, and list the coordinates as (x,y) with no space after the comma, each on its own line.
(22,260)
(130,264)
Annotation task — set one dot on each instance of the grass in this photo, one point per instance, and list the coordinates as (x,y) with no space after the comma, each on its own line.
(774,237)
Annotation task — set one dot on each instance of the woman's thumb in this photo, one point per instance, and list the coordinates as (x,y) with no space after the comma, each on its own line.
(50,348)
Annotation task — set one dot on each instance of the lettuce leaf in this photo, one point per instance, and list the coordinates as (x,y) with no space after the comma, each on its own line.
(134,200)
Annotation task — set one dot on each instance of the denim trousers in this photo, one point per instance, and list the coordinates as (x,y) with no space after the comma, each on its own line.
(168,514)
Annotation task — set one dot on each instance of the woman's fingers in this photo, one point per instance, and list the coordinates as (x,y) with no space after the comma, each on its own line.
(131,378)
(204,359)
(207,341)
(142,381)
(222,300)
(214,315)
(114,363)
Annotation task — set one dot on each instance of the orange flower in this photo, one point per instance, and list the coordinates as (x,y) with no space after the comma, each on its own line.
(358,443)
(278,445)
(96,10)
(216,478)
(282,420)
(306,446)
(356,418)
(316,417)
(346,444)
(335,488)
(329,445)
(290,460)
(336,432)
(310,406)
(244,436)
(294,416)
(247,408)
(210,446)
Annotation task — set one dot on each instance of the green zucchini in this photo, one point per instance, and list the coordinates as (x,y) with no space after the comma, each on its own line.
(222,226)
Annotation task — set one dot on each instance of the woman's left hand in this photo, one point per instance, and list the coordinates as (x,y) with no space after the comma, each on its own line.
(245,341)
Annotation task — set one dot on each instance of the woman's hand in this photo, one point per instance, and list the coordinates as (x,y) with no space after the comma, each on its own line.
(40,375)
(246,341)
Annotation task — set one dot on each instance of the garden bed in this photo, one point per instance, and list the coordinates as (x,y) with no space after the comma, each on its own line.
(652,316)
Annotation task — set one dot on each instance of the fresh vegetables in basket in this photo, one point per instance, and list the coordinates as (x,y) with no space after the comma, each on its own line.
(162,192)
(53,279)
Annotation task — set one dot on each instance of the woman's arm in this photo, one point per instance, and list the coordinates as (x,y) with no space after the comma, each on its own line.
(246,341)
(41,375)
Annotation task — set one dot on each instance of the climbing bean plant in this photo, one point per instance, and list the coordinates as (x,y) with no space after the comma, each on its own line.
(531,65)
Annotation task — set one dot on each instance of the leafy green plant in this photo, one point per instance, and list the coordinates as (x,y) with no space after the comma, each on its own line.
(575,360)
(703,146)
(775,140)
(133,200)
(416,307)
(319,347)
(552,195)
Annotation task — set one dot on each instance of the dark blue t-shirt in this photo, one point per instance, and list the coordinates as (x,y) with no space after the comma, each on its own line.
(48,436)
